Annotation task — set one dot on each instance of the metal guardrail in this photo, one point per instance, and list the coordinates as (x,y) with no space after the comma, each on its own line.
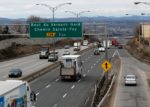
(108,91)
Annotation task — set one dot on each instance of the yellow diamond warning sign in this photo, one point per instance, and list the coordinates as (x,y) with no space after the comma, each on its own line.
(106,65)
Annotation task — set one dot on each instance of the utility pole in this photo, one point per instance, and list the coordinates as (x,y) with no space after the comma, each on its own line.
(106,51)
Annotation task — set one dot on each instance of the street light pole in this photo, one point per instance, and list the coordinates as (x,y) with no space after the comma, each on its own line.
(77,14)
(139,33)
(53,9)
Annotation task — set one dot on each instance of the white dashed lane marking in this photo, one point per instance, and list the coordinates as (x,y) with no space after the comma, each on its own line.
(79,80)
(72,86)
(37,94)
(48,86)
(56,80)
(64,95)
(84,75)
(55,105)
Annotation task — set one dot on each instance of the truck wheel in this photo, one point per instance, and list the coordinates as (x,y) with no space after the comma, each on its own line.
(80,75)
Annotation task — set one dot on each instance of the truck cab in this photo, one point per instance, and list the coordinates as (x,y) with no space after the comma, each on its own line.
(71,67)
(85,43)
(44,53)
(77,46)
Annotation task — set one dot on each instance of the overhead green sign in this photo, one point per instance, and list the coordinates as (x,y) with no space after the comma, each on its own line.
(55,29)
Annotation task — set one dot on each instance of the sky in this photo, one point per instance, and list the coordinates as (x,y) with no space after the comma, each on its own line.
(25,8)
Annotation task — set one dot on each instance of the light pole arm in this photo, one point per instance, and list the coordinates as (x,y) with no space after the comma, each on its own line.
(146,3)
(72,12)
(55,8)
(48,6)
(144,14)
(83,12)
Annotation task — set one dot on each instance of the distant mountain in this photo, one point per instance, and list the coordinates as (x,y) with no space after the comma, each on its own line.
(11,21)
(101,19)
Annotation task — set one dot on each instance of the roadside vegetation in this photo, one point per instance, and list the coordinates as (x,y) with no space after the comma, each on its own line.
(140,50)
(18,50)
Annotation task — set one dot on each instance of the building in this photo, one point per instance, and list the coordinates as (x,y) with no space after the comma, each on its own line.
(145,30)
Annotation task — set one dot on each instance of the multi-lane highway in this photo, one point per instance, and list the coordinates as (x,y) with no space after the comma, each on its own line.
(28,64)
(52,92)
(132,96)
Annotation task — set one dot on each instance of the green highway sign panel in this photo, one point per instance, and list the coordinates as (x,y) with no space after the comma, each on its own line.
(56,30)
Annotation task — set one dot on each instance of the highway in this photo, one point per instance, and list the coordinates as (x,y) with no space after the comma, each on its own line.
(52,92)
(28,64)
(132,96)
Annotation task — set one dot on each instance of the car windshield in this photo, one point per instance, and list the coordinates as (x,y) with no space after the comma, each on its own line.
(44,49)
(52,55)
(15,70)
(130,77)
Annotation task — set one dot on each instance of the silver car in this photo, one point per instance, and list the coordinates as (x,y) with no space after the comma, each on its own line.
(66,53)
(130,80)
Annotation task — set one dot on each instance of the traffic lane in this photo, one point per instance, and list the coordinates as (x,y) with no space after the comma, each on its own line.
(54,75)
(78,96)
(64,92)
(71,50)
(131,96)
(35,85)
(82,90)
(57,92)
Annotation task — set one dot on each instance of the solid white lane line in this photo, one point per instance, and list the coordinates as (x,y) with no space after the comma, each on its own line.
(48,86)
(64,95)
(56,80)
(84,75)
(72,86)
(55,105)
(37,94)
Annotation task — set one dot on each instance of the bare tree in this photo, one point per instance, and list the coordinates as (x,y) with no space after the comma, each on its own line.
(17,27)
(33,19)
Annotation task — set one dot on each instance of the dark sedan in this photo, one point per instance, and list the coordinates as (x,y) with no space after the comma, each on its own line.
(96,52)
(53,57)
(15,73)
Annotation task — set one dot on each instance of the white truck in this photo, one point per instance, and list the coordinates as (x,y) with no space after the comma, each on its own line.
(76,46)
(71,67)
(108,43)
(15,93)
(85,43)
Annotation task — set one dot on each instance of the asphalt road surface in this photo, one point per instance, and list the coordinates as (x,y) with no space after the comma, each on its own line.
(132,96)
(52,92)
(28,64)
